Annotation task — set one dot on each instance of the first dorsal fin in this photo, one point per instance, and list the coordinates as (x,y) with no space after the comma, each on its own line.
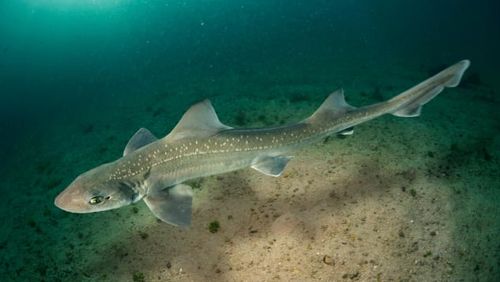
(140,139)
(334,106)
(199,121)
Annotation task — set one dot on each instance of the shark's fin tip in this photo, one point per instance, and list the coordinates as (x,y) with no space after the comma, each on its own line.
(456,71)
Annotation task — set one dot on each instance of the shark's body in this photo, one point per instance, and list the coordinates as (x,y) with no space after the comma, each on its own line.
(200,145)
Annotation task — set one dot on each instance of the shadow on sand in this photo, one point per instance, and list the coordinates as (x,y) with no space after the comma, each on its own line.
(244,215)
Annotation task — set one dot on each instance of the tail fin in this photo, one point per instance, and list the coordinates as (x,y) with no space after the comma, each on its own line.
(414,98)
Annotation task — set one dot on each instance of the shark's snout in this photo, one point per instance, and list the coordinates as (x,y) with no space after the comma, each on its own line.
(71,200)
(61,200)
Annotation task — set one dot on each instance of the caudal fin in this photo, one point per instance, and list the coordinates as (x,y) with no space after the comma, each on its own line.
(412,100)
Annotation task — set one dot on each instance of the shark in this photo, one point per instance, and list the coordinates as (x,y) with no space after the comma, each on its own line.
(154,169)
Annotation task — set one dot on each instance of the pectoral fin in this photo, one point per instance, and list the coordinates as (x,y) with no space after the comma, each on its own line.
(172,205)
(272,166)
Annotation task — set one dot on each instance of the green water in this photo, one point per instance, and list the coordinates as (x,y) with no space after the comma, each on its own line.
(78,78)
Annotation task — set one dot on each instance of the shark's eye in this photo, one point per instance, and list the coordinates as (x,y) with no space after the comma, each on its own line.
(96,200)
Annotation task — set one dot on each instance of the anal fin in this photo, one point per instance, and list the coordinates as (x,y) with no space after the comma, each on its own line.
(272,166)
(172,205)
(347,131)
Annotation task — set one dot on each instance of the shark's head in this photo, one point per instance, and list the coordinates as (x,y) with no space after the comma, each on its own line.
(93,192)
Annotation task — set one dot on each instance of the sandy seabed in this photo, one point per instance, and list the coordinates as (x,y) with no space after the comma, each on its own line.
(400,200)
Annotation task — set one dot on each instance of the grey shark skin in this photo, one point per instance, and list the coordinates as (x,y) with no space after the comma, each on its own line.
(200,145)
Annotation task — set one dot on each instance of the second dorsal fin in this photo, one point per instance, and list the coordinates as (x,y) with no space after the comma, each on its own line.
(334,106)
